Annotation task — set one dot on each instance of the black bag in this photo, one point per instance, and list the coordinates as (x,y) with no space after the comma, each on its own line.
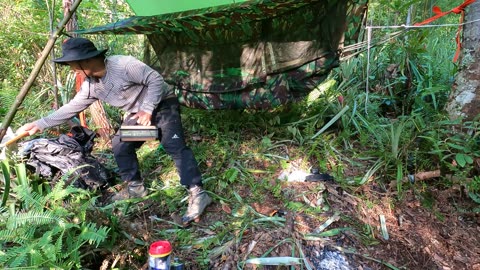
(68,155)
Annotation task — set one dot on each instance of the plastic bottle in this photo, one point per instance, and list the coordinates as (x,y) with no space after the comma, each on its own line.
(159,255)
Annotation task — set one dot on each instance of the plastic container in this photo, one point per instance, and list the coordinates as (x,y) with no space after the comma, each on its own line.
(177,265)
(159,255)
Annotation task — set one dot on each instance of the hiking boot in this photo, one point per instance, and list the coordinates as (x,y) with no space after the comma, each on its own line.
(198,200)
(133,189)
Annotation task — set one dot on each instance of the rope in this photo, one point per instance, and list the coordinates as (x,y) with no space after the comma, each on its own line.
(362,46)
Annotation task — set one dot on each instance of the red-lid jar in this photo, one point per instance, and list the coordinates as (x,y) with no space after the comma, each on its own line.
(159,255)
(160,248)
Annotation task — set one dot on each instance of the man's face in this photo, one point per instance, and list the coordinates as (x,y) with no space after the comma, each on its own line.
(80,67)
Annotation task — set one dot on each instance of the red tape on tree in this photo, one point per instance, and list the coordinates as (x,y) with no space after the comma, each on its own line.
(457,10)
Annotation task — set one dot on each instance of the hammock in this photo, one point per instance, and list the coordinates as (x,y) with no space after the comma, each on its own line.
(250,54)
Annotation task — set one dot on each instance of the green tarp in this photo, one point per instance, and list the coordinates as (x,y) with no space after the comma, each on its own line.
(157,7)
(252,54)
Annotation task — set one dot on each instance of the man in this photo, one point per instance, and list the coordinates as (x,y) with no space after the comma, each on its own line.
(140,91)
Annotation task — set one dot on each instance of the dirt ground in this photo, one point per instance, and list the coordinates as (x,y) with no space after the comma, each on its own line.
(438,232)
(427,226)
(430,228)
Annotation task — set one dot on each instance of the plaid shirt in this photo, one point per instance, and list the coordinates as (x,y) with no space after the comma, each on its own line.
(128,84)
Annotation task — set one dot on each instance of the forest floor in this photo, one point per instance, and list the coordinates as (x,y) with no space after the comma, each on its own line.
(430,227)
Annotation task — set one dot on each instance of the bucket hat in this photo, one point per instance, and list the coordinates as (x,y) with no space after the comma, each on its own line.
(76,49)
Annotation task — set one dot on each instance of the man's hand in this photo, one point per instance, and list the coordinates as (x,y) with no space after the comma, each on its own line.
(31,128)
(143,118)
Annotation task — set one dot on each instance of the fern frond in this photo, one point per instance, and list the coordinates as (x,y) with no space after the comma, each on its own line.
(84,207)
(21,236)
(60,192)
(45,239)
(59,244)
(44,234)
(36,257)
(31,218)
(31,200)
(93,235)
(48,251)
(12,252)
(7,235)
(3,257)
(72,247)
(20,258)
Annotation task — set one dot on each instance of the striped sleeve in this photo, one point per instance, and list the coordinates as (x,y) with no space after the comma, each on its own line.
(79,103)
(140,73)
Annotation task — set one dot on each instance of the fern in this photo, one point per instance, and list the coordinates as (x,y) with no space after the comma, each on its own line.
(20,258)
(42,233)
(31,218)
(29,198)
(94,235)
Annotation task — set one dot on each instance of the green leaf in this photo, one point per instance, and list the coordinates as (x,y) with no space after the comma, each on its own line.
(21,171)
(274,261)
(460,158)
(474,196)
(468,159)
(6,178)
(455,146)
(328,233)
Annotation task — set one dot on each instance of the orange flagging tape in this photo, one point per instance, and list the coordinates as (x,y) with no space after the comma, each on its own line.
(457,10)
(79,78)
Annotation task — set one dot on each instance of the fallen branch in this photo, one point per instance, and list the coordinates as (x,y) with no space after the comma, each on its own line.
(426,175)
(433,174)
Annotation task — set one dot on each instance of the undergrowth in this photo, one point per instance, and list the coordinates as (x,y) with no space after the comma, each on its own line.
(381,136)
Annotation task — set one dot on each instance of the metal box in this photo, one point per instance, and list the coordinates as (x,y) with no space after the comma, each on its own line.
(138,133)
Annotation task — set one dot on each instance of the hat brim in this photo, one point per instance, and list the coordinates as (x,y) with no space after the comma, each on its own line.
(72,58)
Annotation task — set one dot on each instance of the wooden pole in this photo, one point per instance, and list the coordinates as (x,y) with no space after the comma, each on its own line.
(79,78)
(36,69)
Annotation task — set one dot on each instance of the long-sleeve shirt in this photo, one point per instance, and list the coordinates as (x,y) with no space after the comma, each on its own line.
(128,84)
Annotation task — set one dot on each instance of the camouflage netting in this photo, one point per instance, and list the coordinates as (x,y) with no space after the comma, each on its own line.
(256,54)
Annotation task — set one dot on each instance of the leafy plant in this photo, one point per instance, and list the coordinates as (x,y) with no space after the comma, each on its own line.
(47,230)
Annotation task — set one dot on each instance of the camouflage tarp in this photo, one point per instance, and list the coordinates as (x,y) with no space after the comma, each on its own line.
(255,54)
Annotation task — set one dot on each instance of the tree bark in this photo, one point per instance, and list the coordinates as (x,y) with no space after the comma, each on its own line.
(465,97)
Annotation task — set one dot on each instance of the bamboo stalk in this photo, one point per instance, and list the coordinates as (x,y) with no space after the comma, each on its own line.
(36,69)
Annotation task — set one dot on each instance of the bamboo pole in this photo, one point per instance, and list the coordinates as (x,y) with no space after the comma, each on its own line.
(36,69)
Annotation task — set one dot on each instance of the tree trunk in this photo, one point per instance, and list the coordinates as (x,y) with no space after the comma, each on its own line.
(100,119)
(465,97)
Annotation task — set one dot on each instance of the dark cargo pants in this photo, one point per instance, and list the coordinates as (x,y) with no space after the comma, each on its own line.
(166,117)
